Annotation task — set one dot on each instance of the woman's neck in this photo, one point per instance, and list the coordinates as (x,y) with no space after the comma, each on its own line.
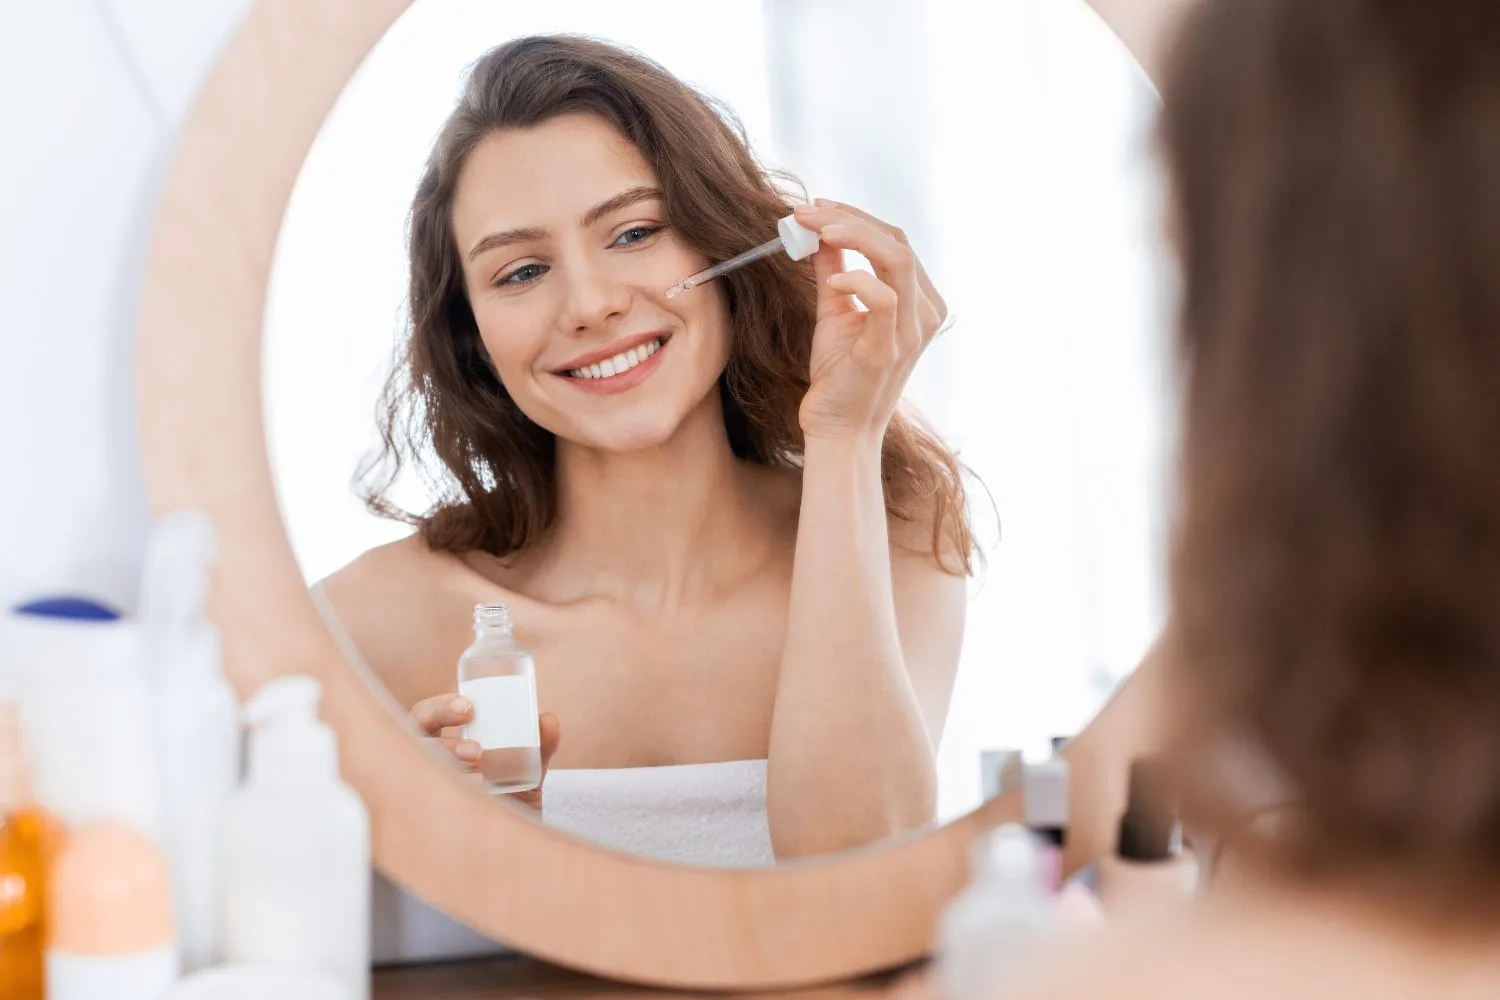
(654,528)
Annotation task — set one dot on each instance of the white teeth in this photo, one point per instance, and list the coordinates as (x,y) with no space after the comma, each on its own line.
(622,362)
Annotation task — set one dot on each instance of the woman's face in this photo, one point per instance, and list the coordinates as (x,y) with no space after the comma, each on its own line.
(567,260)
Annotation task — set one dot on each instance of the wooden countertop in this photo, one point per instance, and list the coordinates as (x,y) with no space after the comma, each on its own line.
(515,978)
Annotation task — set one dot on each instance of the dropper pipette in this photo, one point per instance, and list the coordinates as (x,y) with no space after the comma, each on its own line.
(797,241)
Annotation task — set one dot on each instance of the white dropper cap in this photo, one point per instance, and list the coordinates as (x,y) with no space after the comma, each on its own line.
(1045,789)
(182,645)
(798,241)
(289,744)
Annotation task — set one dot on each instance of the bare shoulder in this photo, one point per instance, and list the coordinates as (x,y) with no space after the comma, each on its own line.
(397,577)
(406,609)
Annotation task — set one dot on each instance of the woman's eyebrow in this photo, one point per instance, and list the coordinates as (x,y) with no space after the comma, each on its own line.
(496,240)
(624,199)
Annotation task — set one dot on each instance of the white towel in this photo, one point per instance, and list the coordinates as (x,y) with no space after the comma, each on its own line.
(710,815)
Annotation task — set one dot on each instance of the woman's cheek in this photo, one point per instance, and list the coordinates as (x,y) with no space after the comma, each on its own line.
(514,336)
(505,357)
(675,261)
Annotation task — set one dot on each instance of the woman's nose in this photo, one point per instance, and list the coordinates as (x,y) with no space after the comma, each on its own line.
(594,298)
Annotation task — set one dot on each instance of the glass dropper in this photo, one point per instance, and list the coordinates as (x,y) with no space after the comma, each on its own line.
(797,241)
(732,264)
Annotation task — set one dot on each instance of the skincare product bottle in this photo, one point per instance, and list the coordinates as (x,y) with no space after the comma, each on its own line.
(499,678)
(998,919)
(89,714)
(1045,790)
(1148,865)
(197,722)
(111,918)
(29,839)
(35,636)
(295,889)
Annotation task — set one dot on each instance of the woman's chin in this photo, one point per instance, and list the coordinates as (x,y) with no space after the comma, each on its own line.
(640,420)
(628,434)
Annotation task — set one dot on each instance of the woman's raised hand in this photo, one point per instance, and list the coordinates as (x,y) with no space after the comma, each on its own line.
(861,358)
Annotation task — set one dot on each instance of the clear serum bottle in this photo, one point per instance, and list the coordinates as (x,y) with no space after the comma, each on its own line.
(997,922)
(498,676)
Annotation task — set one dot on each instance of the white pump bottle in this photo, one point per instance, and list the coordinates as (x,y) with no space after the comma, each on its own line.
(296,887)
(197,722)
(990,928)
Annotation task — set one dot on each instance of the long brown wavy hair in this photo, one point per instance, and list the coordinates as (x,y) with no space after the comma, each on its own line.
(444,410)
(1336,171)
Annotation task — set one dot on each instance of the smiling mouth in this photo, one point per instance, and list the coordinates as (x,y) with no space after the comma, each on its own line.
(620,363)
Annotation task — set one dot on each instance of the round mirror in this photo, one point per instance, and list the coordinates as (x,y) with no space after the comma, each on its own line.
(1050,397)
(689,676)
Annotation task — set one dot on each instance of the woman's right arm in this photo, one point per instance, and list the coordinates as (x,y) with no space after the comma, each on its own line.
(1145,26)
(1134,723)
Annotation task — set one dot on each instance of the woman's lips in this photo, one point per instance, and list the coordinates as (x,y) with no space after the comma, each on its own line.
(640,363)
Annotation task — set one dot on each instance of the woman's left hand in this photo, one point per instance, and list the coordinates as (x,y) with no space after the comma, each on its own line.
(551,735)
(861,358)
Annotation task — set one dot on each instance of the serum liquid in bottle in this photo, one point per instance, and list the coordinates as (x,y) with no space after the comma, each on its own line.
(497,675)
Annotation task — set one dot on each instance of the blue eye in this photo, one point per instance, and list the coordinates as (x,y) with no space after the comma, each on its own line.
(523,275)
(636,234)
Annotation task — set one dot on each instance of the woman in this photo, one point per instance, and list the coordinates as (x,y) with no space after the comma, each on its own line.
(720,536)
(1337,574)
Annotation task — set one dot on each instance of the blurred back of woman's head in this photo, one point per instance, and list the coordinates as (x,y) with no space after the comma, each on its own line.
(1336,171)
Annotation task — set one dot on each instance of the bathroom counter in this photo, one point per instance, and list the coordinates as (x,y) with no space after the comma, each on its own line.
(518,978)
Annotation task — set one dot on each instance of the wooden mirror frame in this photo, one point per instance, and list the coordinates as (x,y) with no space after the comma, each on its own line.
(203,446)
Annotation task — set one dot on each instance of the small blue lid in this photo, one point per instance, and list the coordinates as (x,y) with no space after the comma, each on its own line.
(72,608)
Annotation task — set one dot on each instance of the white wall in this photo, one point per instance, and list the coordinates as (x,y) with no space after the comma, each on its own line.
(91,96)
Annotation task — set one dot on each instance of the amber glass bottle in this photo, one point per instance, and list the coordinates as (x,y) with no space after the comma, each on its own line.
(29,840)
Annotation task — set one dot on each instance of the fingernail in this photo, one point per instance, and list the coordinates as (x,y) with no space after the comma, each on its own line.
(823,202)
(803,209)
(468,750)
(459,706)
